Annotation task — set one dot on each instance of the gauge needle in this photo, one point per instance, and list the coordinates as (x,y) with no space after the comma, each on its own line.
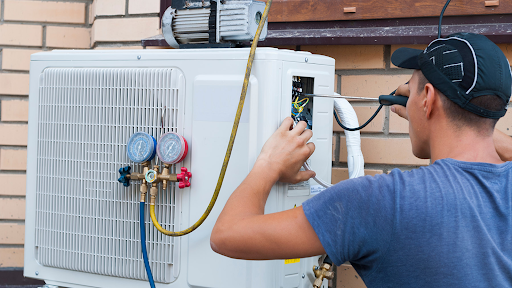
(140,146)
(170,148)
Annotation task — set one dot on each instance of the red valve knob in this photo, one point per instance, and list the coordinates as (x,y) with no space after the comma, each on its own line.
(184,178)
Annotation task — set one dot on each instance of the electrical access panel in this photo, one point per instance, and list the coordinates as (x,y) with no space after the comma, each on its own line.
(82,224)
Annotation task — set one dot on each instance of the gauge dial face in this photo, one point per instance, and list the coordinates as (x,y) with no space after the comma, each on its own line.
(171,148)
(141,147)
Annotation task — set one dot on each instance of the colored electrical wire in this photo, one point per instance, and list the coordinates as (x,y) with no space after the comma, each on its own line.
(360,127)
(143,245)
(367,122)
(231,138)
(441,19)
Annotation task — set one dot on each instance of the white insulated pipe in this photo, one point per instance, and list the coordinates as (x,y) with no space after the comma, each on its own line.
(355,157)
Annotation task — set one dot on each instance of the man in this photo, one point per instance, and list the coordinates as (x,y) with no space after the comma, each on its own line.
(445,225)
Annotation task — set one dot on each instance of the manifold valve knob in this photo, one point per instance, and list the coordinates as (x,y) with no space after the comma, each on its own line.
(184,178)
(124,171)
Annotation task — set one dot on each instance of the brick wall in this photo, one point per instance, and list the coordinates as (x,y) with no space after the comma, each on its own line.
(30,26)
(121,24)
(27,27)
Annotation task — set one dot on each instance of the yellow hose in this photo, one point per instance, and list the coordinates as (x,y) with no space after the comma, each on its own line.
(231,139)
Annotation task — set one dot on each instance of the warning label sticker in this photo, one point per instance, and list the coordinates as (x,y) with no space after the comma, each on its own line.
(291,261)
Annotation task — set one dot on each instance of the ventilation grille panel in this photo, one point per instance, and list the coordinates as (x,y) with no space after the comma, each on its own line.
(87,221)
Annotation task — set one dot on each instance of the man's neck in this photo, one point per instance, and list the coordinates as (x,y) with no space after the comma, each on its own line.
(463,144)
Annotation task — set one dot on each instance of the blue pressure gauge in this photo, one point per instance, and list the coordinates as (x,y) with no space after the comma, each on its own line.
(172,148)
(141,147)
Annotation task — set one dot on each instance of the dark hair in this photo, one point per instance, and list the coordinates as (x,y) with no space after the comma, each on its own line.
(463,118)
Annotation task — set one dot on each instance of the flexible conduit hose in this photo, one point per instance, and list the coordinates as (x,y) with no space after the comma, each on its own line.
(143,246)
(231,138)
(353,138)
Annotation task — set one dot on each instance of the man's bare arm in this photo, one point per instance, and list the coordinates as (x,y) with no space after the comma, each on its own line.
(243,231)
(503,144)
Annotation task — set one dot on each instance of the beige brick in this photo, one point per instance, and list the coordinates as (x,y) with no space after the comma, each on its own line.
(11,257)
(68,37)
(92,16)
(13,159)
(385,151)
(44,11)
(507,50)
(371,85)
(22,35)
(351,56)
(17,59)
(125,29)
(335,83)
(363,114)
(334,139)
(13,134)
(143,6)
(13,184)
(394,47)
(505,123)
(14,110)
(340,174)
(12,233)
(14,84)
(347,277)
(397,124)
(109,7)
(12,209)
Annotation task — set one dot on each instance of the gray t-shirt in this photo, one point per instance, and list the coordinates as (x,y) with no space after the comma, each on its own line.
(445,225)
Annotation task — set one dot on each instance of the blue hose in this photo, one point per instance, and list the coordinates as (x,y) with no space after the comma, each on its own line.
(143,245)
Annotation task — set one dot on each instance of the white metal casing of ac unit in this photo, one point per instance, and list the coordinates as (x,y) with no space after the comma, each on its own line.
(82,225)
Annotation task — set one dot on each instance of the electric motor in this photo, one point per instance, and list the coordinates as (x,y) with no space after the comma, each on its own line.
(228,21)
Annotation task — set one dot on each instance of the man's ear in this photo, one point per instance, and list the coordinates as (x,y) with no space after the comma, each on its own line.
(429,100)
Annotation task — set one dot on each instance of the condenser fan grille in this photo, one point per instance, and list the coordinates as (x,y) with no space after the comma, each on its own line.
(86,220)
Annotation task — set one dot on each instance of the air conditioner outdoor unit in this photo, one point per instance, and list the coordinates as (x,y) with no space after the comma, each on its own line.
(82,224)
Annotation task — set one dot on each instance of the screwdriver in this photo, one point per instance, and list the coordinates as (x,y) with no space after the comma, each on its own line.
(386,100)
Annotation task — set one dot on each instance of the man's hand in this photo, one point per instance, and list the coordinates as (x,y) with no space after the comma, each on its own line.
(402,90)
(286,150)
(243,230)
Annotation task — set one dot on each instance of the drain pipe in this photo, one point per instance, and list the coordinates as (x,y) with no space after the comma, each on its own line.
(355,157)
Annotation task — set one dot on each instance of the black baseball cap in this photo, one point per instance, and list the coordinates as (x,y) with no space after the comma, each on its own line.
(462,66)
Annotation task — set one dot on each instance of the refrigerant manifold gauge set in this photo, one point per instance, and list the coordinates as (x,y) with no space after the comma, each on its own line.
(142,148)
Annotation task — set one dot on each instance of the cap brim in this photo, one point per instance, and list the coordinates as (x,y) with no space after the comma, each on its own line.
(406,58)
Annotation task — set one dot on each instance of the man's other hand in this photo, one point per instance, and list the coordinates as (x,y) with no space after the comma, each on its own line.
(502,142)
(402,90)
(286,150)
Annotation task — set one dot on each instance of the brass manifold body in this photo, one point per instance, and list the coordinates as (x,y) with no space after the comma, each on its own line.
(322,272)
(154,178)
(151,178)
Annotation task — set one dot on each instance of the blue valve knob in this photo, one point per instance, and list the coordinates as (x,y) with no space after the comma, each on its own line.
(124,171)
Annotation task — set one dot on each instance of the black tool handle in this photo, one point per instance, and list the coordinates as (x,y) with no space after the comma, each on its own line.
(388,100)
